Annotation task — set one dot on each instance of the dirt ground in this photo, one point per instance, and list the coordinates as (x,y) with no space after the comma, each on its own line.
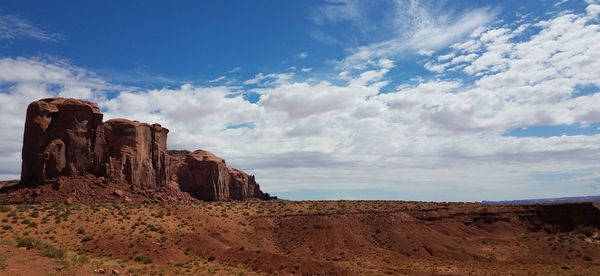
(284,237)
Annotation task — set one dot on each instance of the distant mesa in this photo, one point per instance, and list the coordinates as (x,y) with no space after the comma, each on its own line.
(70,154)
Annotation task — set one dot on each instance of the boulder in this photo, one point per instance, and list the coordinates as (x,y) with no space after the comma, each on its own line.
(58,138)
(118,193)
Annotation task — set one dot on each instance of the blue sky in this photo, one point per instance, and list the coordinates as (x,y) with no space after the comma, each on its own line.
(428,100)
(156,44)
(185,41)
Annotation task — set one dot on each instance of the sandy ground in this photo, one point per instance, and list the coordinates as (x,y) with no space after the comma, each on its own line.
(282,237)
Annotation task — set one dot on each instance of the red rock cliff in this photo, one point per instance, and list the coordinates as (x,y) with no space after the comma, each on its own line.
(66,137)
(206,176)
(59,138)
(133,152)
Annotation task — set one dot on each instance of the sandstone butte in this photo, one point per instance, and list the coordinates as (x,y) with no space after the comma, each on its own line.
(68,147)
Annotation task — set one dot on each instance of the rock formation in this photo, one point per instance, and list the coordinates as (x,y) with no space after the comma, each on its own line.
(242,185)
(133,152)
(59,138)
(207,177)
(67,138)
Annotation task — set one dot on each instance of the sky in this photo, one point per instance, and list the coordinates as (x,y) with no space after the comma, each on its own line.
(334,99)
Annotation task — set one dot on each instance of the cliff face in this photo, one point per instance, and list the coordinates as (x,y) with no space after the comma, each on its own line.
(242,185)
(67,138)
(59,138)
(133,152)
(201,174)
(206,176)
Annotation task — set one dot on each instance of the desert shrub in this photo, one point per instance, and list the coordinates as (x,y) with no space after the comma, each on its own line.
(211,258)
(22,208)
(153,228)
(4,208)
(50,251)
(80,230)
(587,231)
(28,242)
(47,250)
(7,227)
(141,258)
(86,239)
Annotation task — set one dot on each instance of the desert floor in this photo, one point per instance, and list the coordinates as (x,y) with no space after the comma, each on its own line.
(284,237)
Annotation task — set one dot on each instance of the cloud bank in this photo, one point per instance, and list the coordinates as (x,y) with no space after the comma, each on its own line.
(443,138)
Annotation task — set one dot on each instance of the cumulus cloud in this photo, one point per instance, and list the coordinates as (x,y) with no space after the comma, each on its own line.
(444,137)
(15,27)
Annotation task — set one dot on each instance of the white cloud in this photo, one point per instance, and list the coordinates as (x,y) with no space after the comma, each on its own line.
(593,10)
(445,57)
(234,70)
(15,27)
(443,137)
(218,79)
(302,55)
(438,68)
(339,10)
(560,2)
(422,28)
(269,79)
(257,79)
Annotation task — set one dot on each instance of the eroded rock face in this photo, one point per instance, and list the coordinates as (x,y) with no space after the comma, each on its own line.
(206,176)
(133,152)
(243,186)
(203,175)
(67,138)
(58,139)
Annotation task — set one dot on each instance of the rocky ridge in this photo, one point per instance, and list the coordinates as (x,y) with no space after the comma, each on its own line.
(67,146)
